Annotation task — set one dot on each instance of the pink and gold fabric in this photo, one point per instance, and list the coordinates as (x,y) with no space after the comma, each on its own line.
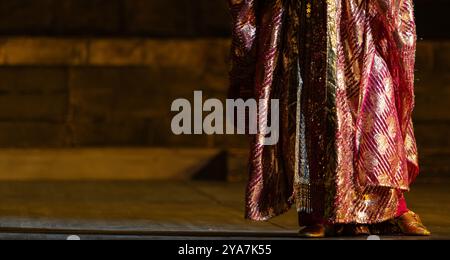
(344,73)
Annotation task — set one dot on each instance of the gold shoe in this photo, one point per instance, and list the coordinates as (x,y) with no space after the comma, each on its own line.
(411,225)
(315,231)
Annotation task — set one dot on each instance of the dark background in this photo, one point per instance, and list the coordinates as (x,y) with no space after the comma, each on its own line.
(103,73)
(157,18)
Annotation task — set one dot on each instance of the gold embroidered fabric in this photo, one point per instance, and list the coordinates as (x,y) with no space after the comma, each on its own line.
(344,72)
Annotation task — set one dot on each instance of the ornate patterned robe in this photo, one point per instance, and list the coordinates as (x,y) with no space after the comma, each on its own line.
(343,71)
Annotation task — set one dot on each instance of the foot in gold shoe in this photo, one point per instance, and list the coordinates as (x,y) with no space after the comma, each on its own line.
(315,231)
(411,225)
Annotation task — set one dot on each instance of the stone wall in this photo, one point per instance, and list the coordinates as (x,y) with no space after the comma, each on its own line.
(105,92)
(85,92)
(77,73)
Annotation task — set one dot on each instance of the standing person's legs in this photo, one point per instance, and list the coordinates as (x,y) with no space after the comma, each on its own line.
(314,225)
(408,221)
(402,205)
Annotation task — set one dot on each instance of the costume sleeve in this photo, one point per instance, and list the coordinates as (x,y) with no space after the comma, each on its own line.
(243,51)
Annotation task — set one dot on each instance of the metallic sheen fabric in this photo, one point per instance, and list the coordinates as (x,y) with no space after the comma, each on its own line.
(343,71)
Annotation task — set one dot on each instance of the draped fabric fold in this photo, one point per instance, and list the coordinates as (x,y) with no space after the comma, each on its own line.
(343,71)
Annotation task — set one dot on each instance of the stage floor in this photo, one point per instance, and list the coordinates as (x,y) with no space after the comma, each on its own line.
(166,210)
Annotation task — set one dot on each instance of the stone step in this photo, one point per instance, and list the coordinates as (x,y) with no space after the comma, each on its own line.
(132,164)
(96,164)
(19,51)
